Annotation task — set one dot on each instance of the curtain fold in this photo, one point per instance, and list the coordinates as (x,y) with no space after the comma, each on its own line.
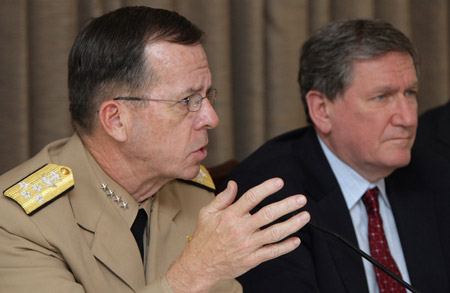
(394,12)
(253,50)
(285,32)
(248,78)
(52,27)
(430,31)
(352,8)
(214,18)
(14,107)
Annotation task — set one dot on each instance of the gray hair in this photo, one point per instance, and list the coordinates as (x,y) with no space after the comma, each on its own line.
(109,53)
(327,57)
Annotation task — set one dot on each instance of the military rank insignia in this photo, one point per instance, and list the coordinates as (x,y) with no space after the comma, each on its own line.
(40,187)
(204,179)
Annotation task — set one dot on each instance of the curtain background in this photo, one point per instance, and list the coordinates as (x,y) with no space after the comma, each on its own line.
(253,50)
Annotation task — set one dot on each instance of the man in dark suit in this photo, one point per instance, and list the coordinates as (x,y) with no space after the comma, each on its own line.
(433,131)
(358,81)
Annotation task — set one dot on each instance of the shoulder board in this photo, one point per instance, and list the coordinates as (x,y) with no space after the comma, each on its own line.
(203,179)
(41,187)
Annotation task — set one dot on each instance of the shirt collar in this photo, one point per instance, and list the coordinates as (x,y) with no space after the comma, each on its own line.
(352,185)
(132,206)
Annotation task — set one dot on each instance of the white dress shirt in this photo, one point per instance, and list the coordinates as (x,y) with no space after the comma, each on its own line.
(353,187)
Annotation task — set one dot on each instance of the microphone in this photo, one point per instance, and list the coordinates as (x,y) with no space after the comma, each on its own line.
(366,256)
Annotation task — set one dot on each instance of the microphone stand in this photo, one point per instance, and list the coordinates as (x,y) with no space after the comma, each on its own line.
(366,256)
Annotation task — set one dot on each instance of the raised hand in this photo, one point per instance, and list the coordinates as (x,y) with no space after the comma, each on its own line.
(228,240)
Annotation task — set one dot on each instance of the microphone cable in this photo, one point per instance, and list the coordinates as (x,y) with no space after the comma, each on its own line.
(366,256)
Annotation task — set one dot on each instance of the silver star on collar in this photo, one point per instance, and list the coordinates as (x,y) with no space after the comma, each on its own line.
(104,186)
(110,193)
(124,205)
(114,196)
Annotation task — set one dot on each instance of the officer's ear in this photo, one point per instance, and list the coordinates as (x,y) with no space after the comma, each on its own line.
(319,110)
(113,119)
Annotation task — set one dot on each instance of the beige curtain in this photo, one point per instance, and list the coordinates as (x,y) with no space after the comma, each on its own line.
(253,49)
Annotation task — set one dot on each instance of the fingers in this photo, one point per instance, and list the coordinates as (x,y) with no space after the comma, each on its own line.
(223,199)
(228,241)
(255,195)
(281,230)
(278,209)
(272,251)
(277,232)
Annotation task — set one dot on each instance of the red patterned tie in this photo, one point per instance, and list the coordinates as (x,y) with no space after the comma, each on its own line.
(379,248)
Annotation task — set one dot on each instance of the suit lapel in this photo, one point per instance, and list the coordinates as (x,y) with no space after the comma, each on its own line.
(113,243)
(328,209)
(330,214)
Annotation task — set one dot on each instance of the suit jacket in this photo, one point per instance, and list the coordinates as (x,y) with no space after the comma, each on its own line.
(433,131)
(418,196)
(80,242)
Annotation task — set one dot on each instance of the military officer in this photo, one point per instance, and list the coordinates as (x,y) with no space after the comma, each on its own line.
(141,104)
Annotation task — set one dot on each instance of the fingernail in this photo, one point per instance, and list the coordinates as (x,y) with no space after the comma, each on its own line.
(301,199)
(278,183)
(304,216)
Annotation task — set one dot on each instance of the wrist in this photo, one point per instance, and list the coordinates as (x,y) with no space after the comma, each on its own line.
(186,275)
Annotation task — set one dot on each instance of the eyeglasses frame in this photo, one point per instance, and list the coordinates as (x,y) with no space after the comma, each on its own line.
(184,101)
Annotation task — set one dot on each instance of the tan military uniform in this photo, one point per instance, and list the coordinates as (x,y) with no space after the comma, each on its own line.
(80,242)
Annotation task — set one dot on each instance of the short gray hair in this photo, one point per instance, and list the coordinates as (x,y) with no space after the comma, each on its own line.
(327,57)
(109,53)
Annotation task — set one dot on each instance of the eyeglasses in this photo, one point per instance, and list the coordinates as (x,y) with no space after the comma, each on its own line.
(193,103)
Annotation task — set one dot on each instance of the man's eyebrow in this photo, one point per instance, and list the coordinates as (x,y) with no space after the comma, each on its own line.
(196,90)
(390,89)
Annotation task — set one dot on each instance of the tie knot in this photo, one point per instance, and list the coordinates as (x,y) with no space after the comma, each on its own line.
(370,200)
